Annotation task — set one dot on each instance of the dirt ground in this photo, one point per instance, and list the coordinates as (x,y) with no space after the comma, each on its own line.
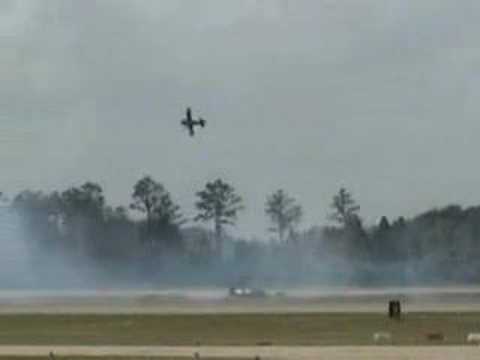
(293,353)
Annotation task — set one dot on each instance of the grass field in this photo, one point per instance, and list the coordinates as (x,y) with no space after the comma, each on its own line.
(234,329)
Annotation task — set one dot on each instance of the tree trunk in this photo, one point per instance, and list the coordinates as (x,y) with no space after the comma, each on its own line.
(149,226)
(281,235)
(218,239)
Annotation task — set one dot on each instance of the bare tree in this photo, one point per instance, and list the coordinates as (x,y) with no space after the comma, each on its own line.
(283,212)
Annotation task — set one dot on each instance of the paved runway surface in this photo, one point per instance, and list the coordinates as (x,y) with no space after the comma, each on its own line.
(217,301)
(293,353)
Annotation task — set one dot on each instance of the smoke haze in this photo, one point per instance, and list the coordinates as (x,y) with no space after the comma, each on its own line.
(305,95)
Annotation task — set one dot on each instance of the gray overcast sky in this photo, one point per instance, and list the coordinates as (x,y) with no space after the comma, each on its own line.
(375,95)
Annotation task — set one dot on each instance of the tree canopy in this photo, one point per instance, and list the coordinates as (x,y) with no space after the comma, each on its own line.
(284,213)
(345,209)
(219,202)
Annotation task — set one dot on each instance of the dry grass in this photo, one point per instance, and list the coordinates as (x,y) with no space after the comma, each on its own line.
(235,329)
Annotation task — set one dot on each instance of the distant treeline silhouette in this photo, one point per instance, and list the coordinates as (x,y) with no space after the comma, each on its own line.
(163,248)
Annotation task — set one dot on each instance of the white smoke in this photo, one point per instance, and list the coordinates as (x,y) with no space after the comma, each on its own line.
(14,265)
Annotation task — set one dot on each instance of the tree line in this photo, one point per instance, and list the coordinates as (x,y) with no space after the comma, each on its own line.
(163,246)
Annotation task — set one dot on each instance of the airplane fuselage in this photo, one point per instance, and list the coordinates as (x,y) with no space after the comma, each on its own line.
(190,123)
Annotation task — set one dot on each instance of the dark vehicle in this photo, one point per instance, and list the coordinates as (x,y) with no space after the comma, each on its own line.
(246,292)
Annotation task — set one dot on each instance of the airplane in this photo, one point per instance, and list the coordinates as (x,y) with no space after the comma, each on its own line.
(190,124)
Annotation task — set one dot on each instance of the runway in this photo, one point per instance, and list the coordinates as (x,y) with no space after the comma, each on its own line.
(291,353)
(206,301)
